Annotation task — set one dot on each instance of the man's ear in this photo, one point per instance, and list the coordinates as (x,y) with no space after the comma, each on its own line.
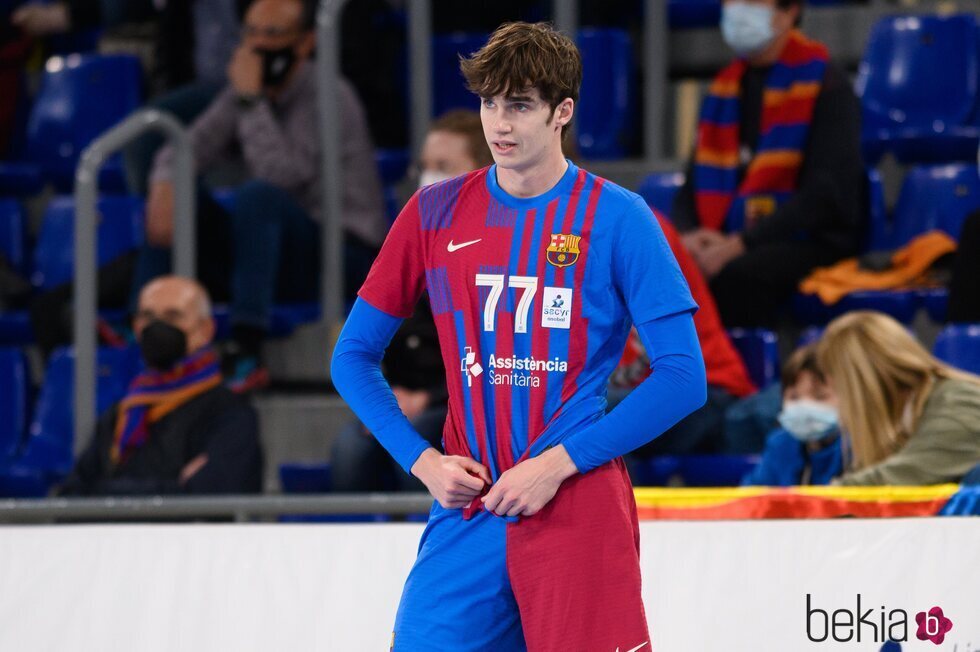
(564,111)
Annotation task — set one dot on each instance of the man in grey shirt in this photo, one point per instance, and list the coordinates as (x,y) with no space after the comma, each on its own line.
(265,247)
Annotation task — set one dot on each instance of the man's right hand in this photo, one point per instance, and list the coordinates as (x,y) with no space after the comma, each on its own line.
(451,479)
(160,214)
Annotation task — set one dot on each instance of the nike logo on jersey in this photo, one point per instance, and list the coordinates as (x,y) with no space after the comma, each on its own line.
(635,648)
(456,247)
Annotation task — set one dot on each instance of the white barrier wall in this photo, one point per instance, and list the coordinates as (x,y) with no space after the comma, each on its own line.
(731,586)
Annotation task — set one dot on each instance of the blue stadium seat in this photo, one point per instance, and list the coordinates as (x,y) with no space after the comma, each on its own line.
(899,304)
(918,83)
(935,301)
(14,385)
(65,119)
(120,230)
(49,448)
(688,14)
(959,345)
(13,234)
(448,87)
(715,470)
(305,477)
(657,471)
(879,230)
(659,188)
(605,113)
(760,352)
(935,197)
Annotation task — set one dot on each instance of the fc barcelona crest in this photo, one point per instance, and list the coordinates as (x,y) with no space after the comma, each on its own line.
(563,249)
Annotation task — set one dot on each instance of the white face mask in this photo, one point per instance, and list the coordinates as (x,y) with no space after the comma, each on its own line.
(429,177)
(746,26)
(808,420)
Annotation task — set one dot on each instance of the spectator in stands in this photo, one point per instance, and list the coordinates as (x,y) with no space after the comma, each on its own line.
(964,285)
(806,449)
(179,430)
(454,145)
(728,379)
(775,184)
(909,418)
(267,247)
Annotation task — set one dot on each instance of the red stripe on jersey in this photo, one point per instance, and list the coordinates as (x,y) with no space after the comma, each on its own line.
(578,341)
(476,391)
(539,336)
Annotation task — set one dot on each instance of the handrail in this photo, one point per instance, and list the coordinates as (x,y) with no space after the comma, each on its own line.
(238,507)
(86,234)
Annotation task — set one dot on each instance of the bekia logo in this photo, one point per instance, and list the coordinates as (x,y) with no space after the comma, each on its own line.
(881,625)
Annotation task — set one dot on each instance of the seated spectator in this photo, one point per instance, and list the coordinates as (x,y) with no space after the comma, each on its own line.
(775,185)
(178,430)
(413,363)
(267,248)
(728,379)
(806,449)
(909,419)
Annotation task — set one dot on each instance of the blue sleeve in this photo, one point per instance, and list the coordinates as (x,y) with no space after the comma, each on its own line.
(676,388)
(644,268)
(781,464)
(356,373)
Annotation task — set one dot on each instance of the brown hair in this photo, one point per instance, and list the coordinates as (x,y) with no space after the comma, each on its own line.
(802,359)
(521,56)
(467,124)
(880,372)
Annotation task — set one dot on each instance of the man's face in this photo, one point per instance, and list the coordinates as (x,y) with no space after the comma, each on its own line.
(522,129)
(177,303)
(446,154)
(276,24)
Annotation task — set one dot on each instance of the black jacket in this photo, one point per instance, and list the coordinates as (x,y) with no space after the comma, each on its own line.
(218,422)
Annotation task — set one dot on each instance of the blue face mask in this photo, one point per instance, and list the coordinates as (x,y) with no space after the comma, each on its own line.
(808,420)
(746,27)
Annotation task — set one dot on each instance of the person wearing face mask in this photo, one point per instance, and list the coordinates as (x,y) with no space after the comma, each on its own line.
(806,449)
(413,366)
(908,417)
(178,429)
(266,121)
(775,185)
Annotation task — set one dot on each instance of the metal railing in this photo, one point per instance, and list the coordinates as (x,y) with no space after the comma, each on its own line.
(241,508)
(86,235)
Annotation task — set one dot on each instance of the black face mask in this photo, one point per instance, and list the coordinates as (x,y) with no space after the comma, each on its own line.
(276,65)
(162,345)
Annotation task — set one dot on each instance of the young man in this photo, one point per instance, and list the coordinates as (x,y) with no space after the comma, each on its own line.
(535,270)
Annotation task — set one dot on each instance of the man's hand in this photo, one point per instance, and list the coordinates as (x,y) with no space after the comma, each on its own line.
(192,467)
(245,72)
(39,19)
(526,488)
(700,239)
(411,402)
(714,259)
(160,214)
(452,480)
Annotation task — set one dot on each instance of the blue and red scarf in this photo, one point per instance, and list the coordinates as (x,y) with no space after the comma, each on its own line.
(154,394)
(790,93)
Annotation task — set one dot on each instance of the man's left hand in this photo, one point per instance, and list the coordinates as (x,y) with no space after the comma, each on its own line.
(245,72)
(713,260)
(525,489)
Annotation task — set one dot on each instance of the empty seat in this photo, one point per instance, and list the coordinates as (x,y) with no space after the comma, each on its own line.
(760,352)
(305,477)
(120,230)
(66,117)
(935,197)
(13,401)
(715,470)
(959,345)
(918,83)
(50,446)
(659,188)
(689,14)
(13,234)
(899,304)
(606,111)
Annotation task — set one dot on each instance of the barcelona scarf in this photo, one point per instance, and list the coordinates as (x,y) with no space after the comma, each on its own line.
(791,90)
(154,394)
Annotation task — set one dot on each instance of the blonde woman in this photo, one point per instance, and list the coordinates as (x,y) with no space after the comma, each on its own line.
(909,418)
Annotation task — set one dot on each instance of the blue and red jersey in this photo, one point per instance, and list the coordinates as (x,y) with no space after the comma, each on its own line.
(532,298)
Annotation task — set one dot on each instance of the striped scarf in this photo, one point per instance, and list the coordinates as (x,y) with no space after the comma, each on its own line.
(790,93)
(154,394)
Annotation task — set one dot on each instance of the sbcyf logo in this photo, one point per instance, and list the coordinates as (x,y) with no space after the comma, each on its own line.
(843,625)
(469,366)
